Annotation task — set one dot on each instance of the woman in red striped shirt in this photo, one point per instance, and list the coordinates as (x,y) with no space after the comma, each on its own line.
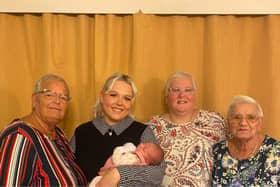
(33,150)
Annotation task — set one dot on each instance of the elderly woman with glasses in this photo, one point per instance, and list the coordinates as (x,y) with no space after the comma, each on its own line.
(33,150)
(247,157)
(186,134)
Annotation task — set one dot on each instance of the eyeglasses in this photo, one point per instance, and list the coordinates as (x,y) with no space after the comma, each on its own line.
(52,95)
(250,118)
(178,90)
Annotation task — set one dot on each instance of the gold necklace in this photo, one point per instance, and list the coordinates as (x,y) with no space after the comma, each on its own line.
(43,130)
(183,121)
(254,150)
(249,155)
(193,111)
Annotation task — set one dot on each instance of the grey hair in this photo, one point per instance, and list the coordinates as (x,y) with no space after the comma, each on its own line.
(243,99)
(49,77)
(98,109)
(176,75)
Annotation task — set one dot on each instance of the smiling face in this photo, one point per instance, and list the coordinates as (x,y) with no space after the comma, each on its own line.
(244,122)
(116,102)
(181,96)
(50,106)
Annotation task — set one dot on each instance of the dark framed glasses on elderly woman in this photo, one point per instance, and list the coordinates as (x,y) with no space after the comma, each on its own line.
(250,118)
(52,95)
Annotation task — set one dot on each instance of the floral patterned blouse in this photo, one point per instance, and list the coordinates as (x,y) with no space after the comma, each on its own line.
(261,169)
(188,148)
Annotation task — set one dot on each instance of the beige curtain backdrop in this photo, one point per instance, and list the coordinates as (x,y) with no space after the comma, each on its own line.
(228,55)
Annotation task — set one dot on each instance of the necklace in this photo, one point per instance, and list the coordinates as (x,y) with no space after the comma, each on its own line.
(254,150)
(193,111)
(180,121)
(42,128)
(236,153)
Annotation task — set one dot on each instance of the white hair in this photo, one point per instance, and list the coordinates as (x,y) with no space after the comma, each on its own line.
(178,74)
(49,77)
(243,99)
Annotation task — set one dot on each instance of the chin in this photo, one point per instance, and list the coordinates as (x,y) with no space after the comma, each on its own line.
(118,119)
(244,137)
(55,120)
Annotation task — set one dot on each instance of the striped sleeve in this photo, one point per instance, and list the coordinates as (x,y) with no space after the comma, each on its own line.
(18,160)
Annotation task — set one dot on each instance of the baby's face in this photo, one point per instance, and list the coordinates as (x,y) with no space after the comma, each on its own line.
(140,148)
(145,150)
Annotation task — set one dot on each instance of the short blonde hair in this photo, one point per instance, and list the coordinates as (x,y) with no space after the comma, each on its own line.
(98,109)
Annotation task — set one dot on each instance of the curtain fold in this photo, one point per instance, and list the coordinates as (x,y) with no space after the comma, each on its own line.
(228,55)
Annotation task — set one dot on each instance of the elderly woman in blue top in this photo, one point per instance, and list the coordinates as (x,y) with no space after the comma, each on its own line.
(94,141)
(247,157)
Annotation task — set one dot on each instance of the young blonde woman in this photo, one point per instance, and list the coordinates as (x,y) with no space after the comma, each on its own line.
(94,141)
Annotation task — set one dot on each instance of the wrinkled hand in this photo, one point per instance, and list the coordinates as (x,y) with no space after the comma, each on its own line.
(110,178)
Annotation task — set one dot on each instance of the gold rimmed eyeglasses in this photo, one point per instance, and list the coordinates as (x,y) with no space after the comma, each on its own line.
(250,118)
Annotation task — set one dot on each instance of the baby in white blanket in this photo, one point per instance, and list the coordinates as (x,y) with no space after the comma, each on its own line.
(147,153)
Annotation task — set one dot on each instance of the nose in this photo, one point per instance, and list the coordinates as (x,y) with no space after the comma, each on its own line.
(120,101)
(243,121)
(182,93)
(57,98)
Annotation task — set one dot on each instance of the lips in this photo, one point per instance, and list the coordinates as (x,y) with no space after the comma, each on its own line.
(181,102)
(117,109)
(55,108)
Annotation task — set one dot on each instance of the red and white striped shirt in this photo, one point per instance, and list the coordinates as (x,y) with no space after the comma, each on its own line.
(30,158)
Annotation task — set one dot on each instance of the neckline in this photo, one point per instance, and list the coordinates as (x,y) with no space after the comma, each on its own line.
(35,124)
(30,125)
(252,154)
(195,115)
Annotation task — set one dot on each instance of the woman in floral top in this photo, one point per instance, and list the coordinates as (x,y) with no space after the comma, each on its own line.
(247,158)
(186,135)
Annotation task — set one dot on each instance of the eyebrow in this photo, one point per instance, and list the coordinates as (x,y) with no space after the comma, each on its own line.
(117,92)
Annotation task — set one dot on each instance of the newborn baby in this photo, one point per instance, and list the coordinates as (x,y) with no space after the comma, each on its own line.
(148,153)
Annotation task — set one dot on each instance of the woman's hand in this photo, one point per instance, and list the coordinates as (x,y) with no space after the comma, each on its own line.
(110,178)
